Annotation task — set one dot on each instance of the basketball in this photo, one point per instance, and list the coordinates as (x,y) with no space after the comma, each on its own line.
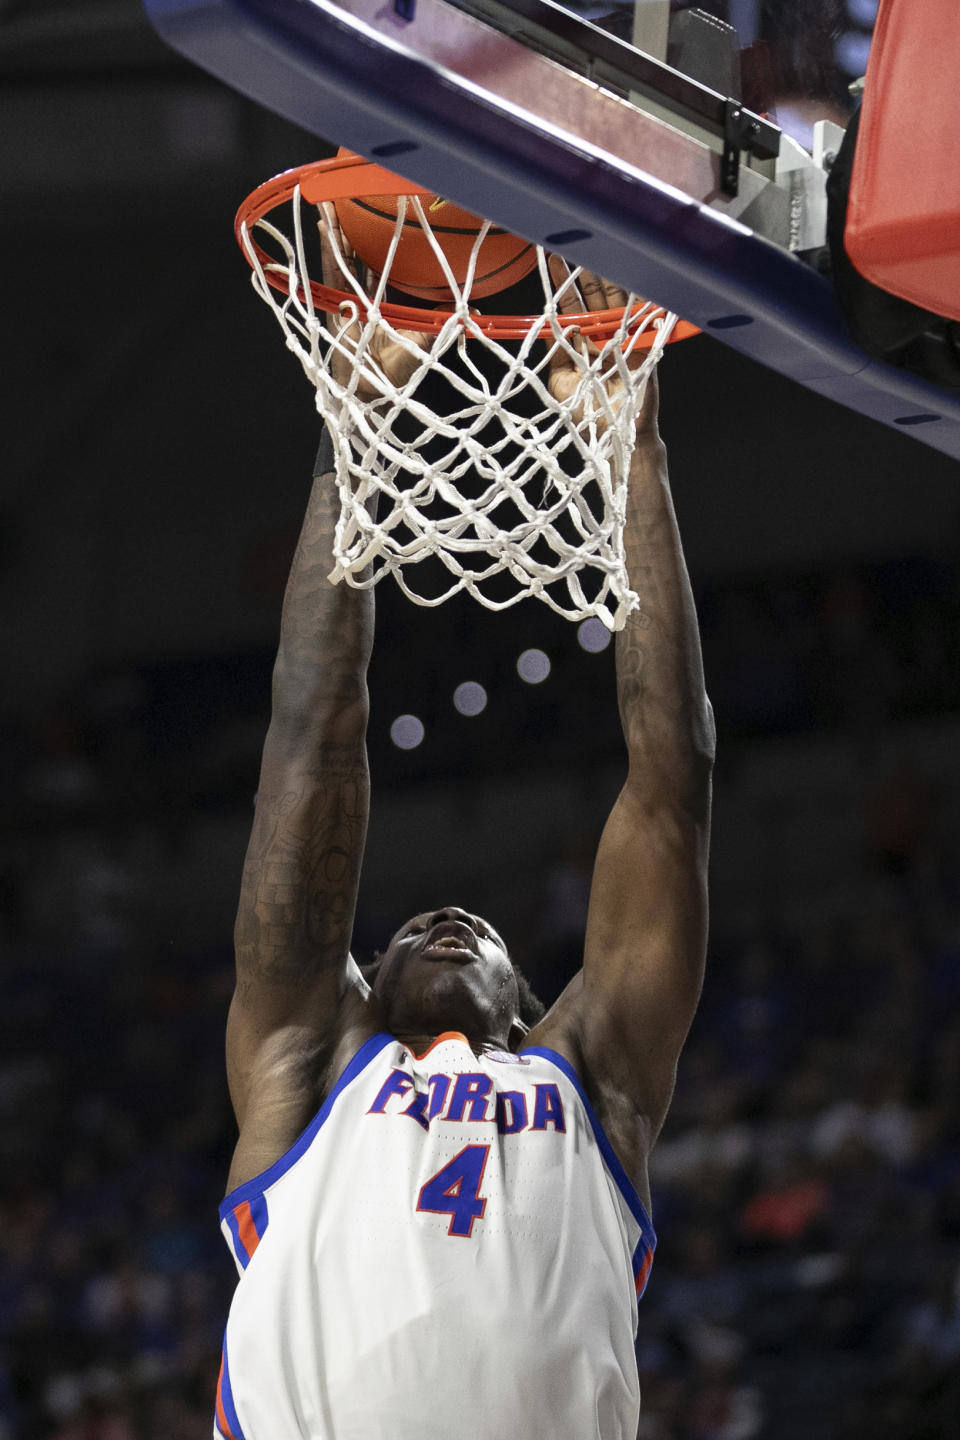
(368,223)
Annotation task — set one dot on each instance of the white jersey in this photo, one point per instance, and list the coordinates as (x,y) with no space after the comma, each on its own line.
(450,1251)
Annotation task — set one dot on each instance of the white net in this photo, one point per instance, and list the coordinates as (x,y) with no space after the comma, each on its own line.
(464,461)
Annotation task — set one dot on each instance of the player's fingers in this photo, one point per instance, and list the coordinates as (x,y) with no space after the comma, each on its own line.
(355,265)
(616,296)
(569,299)
(592,287)
(329,263)
(601,294)
(559,270)
(332,241)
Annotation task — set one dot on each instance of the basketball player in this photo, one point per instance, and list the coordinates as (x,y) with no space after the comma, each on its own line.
(441,1216)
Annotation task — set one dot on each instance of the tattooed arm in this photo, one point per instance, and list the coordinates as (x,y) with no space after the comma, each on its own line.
(646,930)
(302,866)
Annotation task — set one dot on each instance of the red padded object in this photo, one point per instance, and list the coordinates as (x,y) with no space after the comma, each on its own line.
(903,218)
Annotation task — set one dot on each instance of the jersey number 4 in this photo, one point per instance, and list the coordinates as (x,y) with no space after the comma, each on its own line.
(455,1190)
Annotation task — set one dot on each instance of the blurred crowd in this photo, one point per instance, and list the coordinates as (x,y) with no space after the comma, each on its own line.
(806,1187)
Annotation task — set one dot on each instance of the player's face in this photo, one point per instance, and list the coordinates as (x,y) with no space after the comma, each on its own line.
(448,970)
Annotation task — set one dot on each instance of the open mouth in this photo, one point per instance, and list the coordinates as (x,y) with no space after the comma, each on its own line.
(448,946)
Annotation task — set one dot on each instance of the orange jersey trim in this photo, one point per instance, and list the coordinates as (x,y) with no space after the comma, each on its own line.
(246,1228)
(221,1413)
(644,1272)
(447,1035)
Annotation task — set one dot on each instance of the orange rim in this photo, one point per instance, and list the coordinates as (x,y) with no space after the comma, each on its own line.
(349,176)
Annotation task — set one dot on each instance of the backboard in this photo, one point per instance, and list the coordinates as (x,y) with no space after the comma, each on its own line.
(680,151)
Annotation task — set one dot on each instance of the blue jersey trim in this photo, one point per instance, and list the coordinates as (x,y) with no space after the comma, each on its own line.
(260,1216)
(624,1185)
(250,1189)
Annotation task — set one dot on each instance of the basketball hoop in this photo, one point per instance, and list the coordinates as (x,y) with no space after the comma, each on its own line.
(513,491)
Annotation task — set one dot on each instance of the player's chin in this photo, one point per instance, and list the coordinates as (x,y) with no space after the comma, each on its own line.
(443,983)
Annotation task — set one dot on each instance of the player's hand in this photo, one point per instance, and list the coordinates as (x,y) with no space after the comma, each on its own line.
(396,356)
(590,292)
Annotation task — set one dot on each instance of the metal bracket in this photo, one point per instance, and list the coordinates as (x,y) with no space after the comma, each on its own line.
(740,129)
(552,30)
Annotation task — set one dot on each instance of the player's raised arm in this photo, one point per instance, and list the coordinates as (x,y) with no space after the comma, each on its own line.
(302,869)
(647,925)
(302,866)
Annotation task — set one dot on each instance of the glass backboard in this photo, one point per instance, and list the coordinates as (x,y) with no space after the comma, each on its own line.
(798,59)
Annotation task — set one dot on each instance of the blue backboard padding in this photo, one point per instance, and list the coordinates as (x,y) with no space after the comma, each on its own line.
(349,85)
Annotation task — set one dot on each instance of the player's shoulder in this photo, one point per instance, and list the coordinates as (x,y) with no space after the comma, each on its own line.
(294,1072)
(359,1018)
(559,1030)
(599,1078)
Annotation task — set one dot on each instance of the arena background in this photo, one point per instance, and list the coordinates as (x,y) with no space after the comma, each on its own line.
(158,449)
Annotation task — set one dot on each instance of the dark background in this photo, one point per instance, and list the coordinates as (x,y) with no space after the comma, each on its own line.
(158,448)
